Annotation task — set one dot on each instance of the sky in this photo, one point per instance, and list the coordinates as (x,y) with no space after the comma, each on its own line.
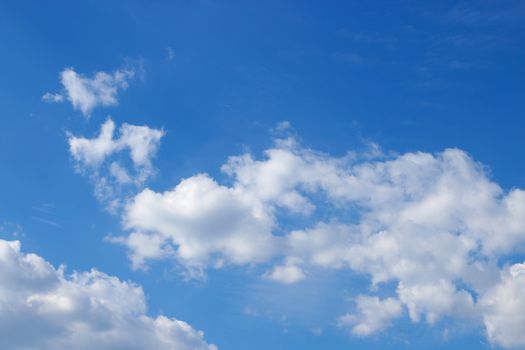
(229,175)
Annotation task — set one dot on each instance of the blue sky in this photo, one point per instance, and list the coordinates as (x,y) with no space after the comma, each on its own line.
(378,203)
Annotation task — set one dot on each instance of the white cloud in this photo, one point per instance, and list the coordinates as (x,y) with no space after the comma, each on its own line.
(504,309)
(92,152)
(287,274)
(373,315)
(435,300)
(206,223)
(324,245)
(141,141)
(86,93)
(42,308)
(119,173)
(144,247)
(100,90)
(435,225)
(99,158)
(52,98)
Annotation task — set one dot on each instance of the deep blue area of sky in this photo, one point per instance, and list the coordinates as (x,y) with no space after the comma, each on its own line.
(408,75)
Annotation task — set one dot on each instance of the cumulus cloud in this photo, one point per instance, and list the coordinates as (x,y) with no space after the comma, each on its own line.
(433,225)
(99,158)
(209,224)
(435,300)
(504,309)
(85,93)
(373,315)
(85,310)
(287,274)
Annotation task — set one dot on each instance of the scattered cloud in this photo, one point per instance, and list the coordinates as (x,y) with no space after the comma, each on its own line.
(52,98)
(84,310)
(281,127)
(85,93)
(98,157)
(10,229)
(100,90)
(170,54)
(317,331)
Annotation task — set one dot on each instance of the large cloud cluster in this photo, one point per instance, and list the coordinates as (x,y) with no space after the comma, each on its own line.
(434,224)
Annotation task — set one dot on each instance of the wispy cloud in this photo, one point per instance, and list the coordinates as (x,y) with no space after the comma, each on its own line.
(47,222)
(488,13)
(11,229)
(52,98)
(170,54)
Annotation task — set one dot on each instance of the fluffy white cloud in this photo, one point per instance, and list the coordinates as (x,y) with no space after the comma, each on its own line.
(98,157)
(86,93)
(100,90)
(42,308)
(92,152)
(288,273)
(435,300)
(504,309)
(373,315)
(434,224)
(209,224)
